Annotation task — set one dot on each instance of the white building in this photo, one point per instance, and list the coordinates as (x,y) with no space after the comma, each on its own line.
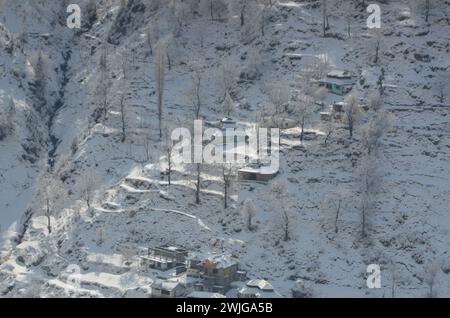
(258,288)
(167,289)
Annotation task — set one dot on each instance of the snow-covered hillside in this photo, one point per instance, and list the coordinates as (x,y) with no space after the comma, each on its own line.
(84,172)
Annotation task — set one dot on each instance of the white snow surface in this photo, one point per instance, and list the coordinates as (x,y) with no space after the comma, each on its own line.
(134,206)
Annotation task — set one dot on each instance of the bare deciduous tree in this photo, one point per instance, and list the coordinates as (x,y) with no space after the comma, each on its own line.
(377,38)
(335,203)
(325,23)
(39,84)
(7,120)
(248,212)
(375,101)
(228,175)
(380,82)
(194,93)
(351,111)
(122,105)
(91,13)
(427,10)
(100,237)
(369,177)
(227,79)
(394,278)
(373,131)
(168,147)
(425,7)
(430,277)
(278,190)
(242,9)
(124,64)
(150,37)
(52,193)
(147,144)
(442,86)
(229,106)
(198,167)
(160,60)
(303,109)
(87,185)
(330,127)
(103,85)
(279,95)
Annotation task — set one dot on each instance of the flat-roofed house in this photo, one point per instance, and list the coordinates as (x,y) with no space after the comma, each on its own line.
(167,289)
(203,294)
(258,288)
(257,174)
(337,82)
(165,257)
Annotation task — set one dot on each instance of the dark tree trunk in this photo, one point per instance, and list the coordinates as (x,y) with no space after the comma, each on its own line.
(49,226)
(197,192)
(327,137)
(364,221)
(225,191)
(337,217)
(170,170)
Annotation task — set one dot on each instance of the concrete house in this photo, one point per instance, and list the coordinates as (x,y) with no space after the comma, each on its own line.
(214,272)
(337,82)
(325,116)
(258,288)
(202,294)
(167,289)
(228,123)
(257,174)
(165,257)
(277,122)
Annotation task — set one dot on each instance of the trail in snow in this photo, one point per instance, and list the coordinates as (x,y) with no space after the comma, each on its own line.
(199,221)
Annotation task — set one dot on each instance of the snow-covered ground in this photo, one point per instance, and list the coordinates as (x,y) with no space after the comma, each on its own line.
(134,206)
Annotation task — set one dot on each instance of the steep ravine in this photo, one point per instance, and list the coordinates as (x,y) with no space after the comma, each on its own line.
(54,141)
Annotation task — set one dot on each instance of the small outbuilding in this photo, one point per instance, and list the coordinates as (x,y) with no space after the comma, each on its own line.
(258,288)
(257,174)
(203,294)
(337,82)
(324,116)
(167,289)
(279,122)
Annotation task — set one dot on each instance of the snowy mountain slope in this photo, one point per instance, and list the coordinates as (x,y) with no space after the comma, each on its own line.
(135,208)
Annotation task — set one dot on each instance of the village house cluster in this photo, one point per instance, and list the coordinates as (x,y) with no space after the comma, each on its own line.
(181,273)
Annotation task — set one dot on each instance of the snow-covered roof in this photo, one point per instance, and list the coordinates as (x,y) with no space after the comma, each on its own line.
(337,81)
(260,283)
(263,170)
(219,260)
(172,248)
(203,294)
(339,74)
(258,288)
(258,293)
(159,259)
(166,285)
(228,120)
